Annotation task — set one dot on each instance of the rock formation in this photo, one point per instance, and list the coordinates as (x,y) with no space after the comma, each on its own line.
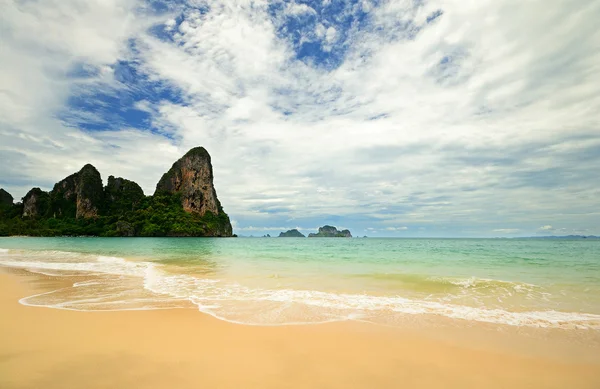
(36,203)
(292,234)
(330,232)
(121,195)
(6,198)
(192,178)
(185,204)
(80,195)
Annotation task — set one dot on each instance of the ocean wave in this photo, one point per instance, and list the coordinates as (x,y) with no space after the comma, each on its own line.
(483,284)
(474,282)
(211,298)
(238,303)
(437,281)
(481,290)
(101,264)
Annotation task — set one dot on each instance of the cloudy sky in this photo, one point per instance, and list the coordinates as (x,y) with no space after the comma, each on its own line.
(391,118)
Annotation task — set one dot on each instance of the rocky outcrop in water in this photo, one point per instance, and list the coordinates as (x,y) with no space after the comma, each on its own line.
(191,177)
(330,232)
(292,234)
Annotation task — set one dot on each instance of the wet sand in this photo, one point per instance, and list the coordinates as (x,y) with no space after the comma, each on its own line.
(183,348)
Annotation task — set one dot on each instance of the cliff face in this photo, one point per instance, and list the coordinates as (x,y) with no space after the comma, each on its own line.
(331,232)
(122,195)
(185,204)
(6,198)
(192,178)
(80,194)
(36,203)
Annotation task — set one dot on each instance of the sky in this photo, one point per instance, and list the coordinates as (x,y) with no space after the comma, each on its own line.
(446,118)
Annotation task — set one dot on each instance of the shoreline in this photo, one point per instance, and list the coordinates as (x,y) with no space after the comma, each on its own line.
(54,348)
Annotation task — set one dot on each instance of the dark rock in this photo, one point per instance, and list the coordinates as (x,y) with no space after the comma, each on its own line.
(36,203)
(185,204)
(6,198)
(125,229)
(121,195)
(79,195)
(191,177)
(292,234)
(330,232)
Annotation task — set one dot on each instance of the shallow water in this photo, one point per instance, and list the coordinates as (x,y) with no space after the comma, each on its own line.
(539,283)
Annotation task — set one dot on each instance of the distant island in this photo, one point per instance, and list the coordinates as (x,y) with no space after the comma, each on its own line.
(184,203)
(292,234)
(330,232)
(551,237)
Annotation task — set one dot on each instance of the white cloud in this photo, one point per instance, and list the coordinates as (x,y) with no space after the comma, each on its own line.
(263,228)
(487,114)
(330,35)
(546,228)
(170,24)
(296,9)
(320,30)
(47,41)
(507,230)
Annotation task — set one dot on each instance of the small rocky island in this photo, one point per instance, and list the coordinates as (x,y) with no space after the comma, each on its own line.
(330,232)
(292,234)
(185,203)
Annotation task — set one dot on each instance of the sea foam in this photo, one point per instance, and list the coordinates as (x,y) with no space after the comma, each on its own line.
(108,290)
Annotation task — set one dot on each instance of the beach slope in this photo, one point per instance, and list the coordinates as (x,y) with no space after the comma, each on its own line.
(182,348)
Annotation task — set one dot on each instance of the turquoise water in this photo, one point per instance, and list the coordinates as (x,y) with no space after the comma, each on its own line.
(273,281)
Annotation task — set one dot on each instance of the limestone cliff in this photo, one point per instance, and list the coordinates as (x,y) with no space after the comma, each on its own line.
(6,198)
(36,203)
(79,195)
(192,177)
(185,204)
(121,195)
(331,232)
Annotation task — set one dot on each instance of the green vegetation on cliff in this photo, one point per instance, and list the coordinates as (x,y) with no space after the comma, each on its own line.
(80,205)
(159,215)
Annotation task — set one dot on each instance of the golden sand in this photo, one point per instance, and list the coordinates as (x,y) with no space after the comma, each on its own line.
(182,348)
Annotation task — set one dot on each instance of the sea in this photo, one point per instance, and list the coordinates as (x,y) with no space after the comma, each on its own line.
(285,281)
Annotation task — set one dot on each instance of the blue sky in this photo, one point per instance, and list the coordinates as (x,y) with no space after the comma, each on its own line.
(390,118)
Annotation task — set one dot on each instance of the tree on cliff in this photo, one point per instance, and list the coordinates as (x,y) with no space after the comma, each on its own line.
(185,204)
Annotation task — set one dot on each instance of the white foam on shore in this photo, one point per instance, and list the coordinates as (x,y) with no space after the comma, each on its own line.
(244,305)
(102,264)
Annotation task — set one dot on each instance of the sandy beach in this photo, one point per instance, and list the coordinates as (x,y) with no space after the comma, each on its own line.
(50,348)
